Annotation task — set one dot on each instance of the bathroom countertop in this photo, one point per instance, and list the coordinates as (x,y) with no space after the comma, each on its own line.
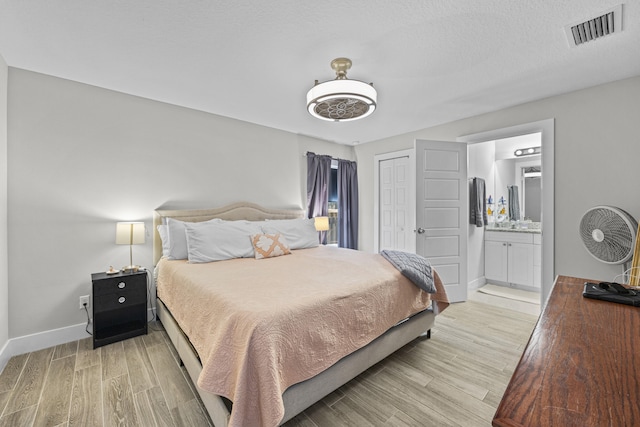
(514,230)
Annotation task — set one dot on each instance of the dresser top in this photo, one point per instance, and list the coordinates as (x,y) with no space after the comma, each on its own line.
(580,366)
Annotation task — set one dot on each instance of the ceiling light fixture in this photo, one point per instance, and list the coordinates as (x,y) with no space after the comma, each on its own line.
(526,151)
(341,100)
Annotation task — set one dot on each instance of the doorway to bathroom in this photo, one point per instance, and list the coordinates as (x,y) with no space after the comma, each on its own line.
(507,169)
(508,250)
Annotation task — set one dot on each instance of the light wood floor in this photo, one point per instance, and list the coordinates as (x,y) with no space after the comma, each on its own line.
(136,382)
(456,378)
(521,306)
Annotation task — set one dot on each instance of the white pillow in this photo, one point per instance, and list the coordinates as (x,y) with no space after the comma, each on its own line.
(299,233)
(178,239)
(164,238)
(220,241)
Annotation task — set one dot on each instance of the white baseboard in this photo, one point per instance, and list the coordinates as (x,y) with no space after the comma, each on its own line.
(4,356)
(40,340)
(477,283)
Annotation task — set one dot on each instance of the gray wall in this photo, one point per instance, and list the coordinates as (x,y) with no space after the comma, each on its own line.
(597,147)
(4,277)
(82,158)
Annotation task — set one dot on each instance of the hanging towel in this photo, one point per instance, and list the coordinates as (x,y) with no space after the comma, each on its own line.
(514,203)
(478,203)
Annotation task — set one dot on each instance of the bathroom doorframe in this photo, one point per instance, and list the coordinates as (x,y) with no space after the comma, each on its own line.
(546,129)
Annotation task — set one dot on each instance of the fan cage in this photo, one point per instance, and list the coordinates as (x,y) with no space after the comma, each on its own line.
(619,230)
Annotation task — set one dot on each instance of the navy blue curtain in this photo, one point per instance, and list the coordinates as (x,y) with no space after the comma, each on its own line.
(347,204)
(318,173)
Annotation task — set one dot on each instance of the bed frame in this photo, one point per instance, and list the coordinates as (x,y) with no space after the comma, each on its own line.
(299,396)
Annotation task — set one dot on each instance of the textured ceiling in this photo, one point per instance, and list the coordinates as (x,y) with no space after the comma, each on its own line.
(431,61)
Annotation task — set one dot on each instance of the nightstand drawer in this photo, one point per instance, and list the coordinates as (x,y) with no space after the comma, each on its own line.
(124,298)
(119,284)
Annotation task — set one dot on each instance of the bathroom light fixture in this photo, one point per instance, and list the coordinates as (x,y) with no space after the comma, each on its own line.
(341,100)
(527,151)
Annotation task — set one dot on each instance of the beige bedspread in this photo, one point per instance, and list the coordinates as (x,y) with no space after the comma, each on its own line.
(261,326)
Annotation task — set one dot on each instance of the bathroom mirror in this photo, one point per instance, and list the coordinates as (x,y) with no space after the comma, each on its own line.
(525,173)
(531,192)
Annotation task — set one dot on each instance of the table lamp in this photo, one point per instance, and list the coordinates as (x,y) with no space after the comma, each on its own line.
(322,223)
(130,233)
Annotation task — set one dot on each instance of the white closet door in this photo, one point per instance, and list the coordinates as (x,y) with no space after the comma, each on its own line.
(395,204)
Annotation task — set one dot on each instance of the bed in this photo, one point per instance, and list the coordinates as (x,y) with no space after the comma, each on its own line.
(279,342)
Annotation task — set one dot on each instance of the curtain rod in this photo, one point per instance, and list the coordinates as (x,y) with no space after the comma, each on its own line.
(326,155)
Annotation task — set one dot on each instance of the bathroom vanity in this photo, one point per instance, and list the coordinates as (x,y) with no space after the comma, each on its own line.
(513,256)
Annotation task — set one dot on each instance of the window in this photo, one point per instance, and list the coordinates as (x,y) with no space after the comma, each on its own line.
(343,213)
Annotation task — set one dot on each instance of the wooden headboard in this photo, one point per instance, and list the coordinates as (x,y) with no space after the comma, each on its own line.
(235,211)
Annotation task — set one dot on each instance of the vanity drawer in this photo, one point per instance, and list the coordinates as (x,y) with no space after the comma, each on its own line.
(508,236)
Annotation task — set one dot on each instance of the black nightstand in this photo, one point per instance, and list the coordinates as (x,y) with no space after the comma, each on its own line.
(119,306)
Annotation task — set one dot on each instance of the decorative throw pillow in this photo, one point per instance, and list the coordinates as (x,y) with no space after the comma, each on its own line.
(269,245)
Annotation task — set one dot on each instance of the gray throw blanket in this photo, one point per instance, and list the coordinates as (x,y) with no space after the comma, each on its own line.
(413,267)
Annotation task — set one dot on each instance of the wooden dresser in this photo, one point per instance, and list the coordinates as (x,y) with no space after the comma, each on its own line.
(581,366)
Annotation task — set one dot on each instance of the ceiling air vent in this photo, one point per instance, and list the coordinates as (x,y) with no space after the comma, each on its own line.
(606,23)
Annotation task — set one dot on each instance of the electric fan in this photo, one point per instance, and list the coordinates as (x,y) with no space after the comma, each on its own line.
(609,234)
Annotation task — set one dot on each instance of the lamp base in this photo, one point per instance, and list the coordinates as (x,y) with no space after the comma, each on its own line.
(130,269)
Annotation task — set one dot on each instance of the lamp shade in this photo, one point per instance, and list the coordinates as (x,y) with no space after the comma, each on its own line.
(130,233)
(322,223)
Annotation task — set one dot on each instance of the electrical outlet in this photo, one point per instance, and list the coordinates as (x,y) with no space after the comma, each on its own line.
(84,300)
